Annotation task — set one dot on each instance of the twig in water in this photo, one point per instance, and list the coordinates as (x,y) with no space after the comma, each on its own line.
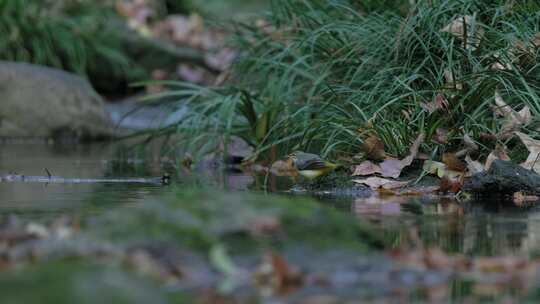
(48,173)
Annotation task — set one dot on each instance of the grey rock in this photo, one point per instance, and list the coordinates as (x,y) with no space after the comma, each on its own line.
(37,101)
(504,178)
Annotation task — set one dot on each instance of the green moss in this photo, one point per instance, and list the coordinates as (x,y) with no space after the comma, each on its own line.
(77,281)
(199,219)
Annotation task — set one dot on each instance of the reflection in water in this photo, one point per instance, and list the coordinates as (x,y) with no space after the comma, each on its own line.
(418,224)
(80,161)
(475,228)
(487,228)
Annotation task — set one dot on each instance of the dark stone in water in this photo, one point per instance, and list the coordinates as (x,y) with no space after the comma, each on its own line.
(504,178)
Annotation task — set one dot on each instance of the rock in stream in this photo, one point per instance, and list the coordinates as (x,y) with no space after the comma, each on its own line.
(504,178)
(38,101)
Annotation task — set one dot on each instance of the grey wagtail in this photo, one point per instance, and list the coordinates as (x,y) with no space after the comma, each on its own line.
(310,165)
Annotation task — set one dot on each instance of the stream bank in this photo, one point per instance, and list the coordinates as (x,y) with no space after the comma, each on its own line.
(197,241)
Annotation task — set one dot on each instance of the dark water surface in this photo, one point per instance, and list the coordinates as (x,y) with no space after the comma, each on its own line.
(472,229)
(79,161)
(489,228)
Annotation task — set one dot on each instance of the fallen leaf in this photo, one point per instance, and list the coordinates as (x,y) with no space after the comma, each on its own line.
(534,43)
(152,87)
(435,168)
(450,186)
(501,64)
(440,102)
(393,167)
(366,168)
(374,147)
(500,264)
(407,161)
(473,166)
(451,83)
(498,153)
(440,136)
(469,143)
(453,163)
(488,136)
(465,25)
(278,275)
(379,182)
(435,258)
(441,170)
(532,161)
(513,120)
(191,73)
(520,198)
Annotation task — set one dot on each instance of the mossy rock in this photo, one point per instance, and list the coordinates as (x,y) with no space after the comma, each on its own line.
(39,101)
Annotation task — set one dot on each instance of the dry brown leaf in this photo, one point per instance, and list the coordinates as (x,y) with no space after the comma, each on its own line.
(450,186)
(158,74)
(535,41)
(366,168)
(439,103)
(393,167)
(277,276)
(413,151)
(469,143)
(532,162)
(374,148)
(287,275)
(498,153)
(500,264)
(530,47)
(466,24)
(500,64)
(453,163)
(473,166)
(451,83)
(379,182)
(520,198)
(513,120)
(137,15)
(440,136)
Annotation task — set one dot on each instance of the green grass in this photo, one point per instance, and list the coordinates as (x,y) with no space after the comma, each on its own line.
(73,35)
(331,72)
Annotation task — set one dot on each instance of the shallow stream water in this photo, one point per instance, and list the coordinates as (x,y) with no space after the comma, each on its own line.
(473,229)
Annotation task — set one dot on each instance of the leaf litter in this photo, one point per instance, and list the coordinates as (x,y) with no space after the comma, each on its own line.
(390,167)
(532,162)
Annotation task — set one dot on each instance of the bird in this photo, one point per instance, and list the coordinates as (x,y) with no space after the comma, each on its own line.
(311,166)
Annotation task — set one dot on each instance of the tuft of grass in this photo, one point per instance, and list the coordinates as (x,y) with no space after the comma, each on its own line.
(321,74)
(72,35)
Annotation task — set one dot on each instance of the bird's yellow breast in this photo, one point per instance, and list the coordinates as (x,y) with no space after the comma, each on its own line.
(312,174)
